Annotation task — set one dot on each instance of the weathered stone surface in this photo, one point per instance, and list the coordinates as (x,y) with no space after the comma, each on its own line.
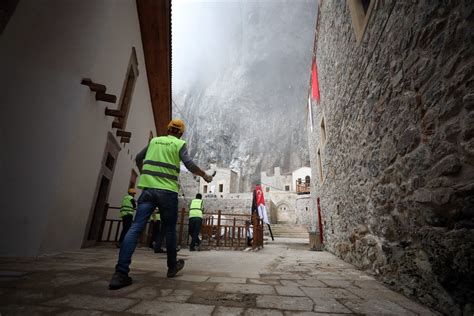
(245,288)
(329,305)
(285,302)
(449,165)
(156,307)
(262,312)
(92,302)
(376,307)
(399,152)
(315,292)
(228,311)
(289,291)
(227,280)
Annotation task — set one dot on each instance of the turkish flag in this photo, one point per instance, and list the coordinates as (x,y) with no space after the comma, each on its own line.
(260,204)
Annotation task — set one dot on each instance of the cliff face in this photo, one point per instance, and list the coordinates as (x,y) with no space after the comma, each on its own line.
(245,106)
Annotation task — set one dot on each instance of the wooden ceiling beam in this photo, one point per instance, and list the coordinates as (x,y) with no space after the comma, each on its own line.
(155,27)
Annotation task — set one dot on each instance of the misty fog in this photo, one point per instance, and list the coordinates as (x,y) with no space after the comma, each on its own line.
(240,80)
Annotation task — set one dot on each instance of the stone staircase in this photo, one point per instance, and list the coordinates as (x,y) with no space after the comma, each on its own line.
(287,230)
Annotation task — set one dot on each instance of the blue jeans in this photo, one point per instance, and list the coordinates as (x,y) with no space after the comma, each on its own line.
(167,202)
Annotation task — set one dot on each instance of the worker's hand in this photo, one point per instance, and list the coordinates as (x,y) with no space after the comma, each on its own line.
(207,178)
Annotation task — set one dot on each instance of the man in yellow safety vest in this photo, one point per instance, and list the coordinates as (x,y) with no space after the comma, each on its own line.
(195,221)
(159,163)
(126,213)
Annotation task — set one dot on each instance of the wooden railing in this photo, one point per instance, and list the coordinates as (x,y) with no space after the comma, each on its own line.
(219,230)
(222,230)
(303,187)
(112,227)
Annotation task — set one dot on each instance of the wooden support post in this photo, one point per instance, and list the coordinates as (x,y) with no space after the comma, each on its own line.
(125,140)
(211,224)
(110,230)
(238,236)
(105,97)
(115,113)
(123,134)
(218,239)
(233,234)
(181,226)
(117,231)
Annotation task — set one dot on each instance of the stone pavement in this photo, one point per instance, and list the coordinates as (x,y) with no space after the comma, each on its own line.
(282,279)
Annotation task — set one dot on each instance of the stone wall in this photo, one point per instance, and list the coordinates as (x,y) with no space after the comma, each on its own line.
(303,215)
(398,162)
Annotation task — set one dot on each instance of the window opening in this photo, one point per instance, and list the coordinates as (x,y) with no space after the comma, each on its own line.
(320,166)
(221,188)
(287,188)
(205,189)
(109,162)
(127,91)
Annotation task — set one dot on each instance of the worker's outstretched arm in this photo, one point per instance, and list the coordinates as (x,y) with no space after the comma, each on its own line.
(140,157)
(191,166)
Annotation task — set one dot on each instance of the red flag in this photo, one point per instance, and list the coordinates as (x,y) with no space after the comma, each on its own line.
(260,204)
(314,81)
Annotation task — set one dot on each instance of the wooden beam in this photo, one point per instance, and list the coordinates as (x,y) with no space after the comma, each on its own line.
(155,27)
(101,96)
(96,87)
(123,134)
(117,125)
(115,113)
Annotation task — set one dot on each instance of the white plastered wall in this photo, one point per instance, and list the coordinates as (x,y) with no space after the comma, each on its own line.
(54,131)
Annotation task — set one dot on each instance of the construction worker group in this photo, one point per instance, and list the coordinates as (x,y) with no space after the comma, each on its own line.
(159,164)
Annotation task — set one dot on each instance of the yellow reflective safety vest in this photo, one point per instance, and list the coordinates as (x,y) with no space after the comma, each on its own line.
(127,206)
(195,209)
(155,217)
(162,164)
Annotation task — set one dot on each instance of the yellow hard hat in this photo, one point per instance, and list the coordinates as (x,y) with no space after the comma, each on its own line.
(132,191)
(177,123)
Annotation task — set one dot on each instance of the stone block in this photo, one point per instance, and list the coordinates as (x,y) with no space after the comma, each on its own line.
(262,312)
(468,101)
(227,280)
(245,288)
(408,140)
(315,282)
(449,165)
(92,302)
(289,290)
(192,278)
(228,311)
(145,293)
(376,307)
(167,308)
(315,292)
(329,305)
(285,302)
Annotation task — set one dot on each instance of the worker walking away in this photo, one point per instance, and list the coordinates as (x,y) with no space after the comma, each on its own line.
(195,221)
(126,213)
(155,220)
(159,164)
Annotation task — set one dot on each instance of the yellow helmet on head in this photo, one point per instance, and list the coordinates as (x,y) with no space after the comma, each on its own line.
(132,191)
(178,124)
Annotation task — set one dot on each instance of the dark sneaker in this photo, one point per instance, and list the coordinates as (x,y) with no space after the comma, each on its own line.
(192,249)
(160,251)
(172,271)
(119,280)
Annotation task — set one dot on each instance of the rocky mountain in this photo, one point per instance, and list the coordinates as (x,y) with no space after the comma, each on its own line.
(240,81)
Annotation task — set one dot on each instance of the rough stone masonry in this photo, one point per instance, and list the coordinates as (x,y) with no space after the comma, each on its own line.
(397,186)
